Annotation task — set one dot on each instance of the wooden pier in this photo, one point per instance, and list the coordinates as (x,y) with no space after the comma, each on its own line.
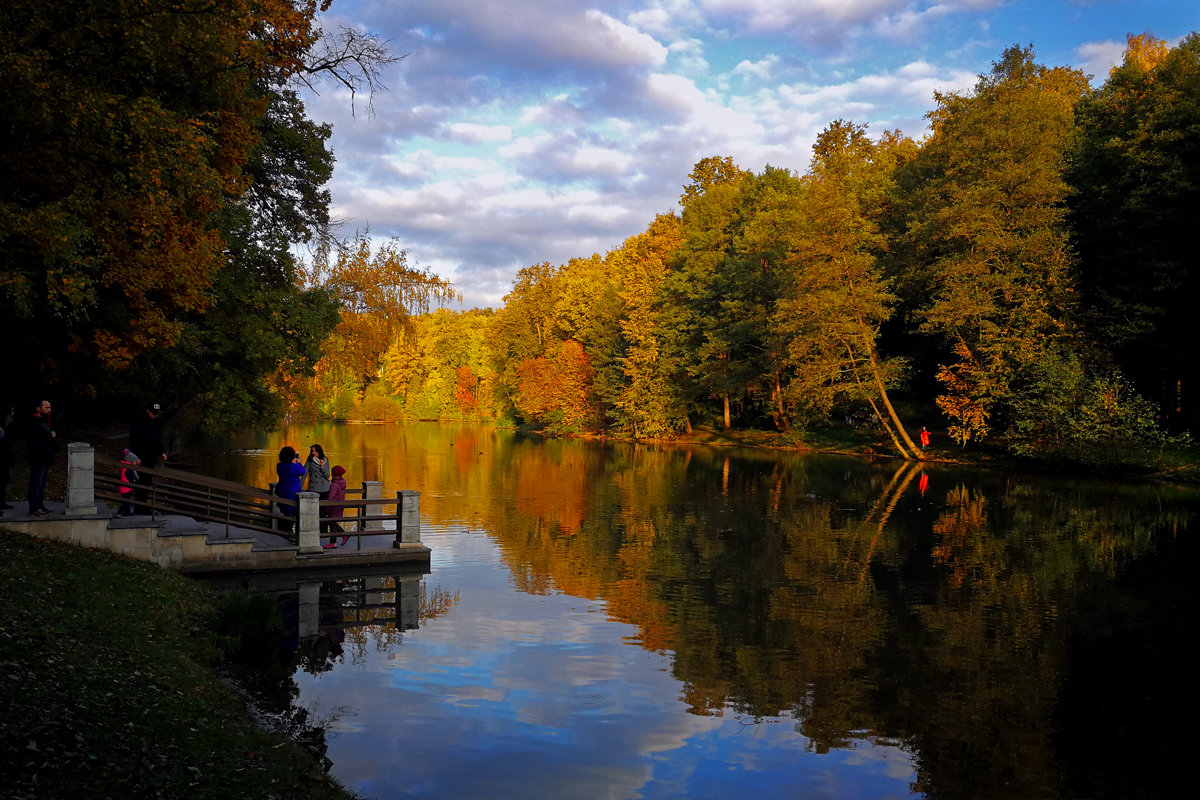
(197,524)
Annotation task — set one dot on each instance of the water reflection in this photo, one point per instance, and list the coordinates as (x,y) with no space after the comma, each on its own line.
(658,622)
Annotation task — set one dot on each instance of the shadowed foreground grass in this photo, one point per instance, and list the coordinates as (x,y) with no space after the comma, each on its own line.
(107,687)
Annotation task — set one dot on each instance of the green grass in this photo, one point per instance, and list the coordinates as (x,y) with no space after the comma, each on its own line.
(109,688)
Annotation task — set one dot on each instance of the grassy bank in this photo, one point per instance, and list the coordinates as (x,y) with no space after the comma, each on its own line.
(109,690)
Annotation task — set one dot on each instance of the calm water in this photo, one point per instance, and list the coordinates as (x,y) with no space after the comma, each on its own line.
(612,621)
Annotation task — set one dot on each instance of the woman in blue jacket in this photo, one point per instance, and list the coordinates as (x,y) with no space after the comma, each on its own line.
(291,478)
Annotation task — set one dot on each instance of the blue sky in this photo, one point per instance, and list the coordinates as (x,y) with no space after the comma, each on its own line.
(526,131)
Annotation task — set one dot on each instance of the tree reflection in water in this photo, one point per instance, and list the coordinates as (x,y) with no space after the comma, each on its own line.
(1018,635)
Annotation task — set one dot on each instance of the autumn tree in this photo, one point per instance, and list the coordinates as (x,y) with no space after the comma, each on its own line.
(990,237)
(124,130)
(836,297)
(523,328)
(439,366)
(378,292)
(556,390)
(587,310)
(708,344)
(649,404)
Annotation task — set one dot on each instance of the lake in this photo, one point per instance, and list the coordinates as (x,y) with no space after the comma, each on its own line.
(609,620)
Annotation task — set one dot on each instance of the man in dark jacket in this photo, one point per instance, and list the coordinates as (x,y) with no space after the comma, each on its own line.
(145,438)
(41,454)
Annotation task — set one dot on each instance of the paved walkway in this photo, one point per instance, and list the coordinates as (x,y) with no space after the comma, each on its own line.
(176,525)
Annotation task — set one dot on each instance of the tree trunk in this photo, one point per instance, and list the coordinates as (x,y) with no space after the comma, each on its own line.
(726,399)
(777,396)
(913,451)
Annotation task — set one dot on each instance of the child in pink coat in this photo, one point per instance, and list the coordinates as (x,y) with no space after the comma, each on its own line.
(337,491)
(128,477)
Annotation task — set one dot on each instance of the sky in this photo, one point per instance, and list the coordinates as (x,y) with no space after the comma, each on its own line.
(520,131)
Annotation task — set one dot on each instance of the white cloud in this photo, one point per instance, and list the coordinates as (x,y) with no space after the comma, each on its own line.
(471,133)
(508,139)
(763,69)
(1097,58)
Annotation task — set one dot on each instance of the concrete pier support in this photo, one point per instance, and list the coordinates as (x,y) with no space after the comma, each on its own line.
(81,478)
(310,522)
(372,490)
(408,518)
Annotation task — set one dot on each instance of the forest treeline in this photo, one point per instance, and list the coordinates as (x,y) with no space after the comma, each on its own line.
(1025,274)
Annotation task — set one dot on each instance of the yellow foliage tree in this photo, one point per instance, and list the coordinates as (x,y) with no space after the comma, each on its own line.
(379,292)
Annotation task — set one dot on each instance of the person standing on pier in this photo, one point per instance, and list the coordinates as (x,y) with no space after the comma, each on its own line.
(337,491)
(42,445)
(316,469)
(291,478)
(145,437)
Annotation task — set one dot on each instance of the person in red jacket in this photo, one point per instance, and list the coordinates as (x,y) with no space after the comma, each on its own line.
(337,491)
(924,438)
(129,477)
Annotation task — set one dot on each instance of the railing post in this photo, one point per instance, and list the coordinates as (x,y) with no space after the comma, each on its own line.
(81,478)
(408,518)
(274,507)
(310,522)
(372,490)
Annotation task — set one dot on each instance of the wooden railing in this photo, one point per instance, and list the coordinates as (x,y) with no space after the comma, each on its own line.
(173,491)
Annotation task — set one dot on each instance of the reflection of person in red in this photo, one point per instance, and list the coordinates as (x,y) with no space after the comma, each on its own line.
(923,484)
(924,437)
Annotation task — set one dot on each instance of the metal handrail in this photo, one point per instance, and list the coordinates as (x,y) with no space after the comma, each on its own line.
(233,504)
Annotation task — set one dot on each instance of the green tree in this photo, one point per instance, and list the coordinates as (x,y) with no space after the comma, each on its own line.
(234,362)
(649,403)
(990,235)
(714,344)
(836,297)
(1136,172)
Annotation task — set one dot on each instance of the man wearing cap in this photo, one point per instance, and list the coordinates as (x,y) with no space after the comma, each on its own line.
(145,437)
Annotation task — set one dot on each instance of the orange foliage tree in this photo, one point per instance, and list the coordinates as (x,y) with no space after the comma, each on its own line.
(125,128)
(379,292)
(558,391)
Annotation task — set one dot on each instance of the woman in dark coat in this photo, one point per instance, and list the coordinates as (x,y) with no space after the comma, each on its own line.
(316,468)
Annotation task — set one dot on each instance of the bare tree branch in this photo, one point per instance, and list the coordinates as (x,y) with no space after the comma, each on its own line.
(352,58)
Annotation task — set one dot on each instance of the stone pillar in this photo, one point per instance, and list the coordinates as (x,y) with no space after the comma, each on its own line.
(408,518)
(310,522)
(372,490)
(81,478)
(309,595)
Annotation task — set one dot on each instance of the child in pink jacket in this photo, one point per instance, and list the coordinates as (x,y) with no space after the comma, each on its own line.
(129,477)
(337,491)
